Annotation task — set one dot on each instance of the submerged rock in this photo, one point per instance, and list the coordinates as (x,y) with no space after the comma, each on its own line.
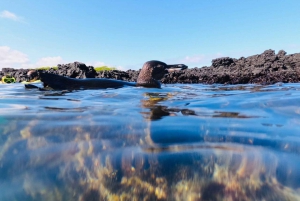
(265,68)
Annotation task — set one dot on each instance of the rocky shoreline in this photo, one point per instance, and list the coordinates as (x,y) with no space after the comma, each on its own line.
(265,68)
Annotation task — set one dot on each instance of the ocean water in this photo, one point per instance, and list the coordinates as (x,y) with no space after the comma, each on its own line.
(181,142)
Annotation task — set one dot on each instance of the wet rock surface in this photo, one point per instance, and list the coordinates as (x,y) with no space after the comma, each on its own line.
(265,68)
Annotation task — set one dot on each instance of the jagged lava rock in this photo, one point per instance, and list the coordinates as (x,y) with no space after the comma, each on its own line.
(18,74)
(76,70)
(265,68)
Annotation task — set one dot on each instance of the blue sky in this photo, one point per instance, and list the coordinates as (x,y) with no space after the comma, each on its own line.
(127,33)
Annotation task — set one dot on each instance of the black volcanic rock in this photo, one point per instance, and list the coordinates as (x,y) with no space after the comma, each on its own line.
(76,70)
(265,68)
(223,61)
(114,74)
(129,75)
(18,74)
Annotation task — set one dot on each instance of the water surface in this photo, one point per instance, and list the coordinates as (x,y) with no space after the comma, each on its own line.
(181,142)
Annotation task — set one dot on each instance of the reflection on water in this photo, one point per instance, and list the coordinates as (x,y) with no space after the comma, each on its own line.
(181,142)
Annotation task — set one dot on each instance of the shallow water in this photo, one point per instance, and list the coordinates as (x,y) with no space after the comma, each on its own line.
(181,142)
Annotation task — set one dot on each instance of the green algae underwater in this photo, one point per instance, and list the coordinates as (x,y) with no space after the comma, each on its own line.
(181,142)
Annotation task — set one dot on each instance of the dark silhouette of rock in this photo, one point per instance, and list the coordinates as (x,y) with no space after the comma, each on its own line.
(265,68)
(129,75)
(75,70)
(18,74)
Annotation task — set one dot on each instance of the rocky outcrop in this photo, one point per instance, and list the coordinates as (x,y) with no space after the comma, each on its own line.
(18,74)
(75,70)
(265,68)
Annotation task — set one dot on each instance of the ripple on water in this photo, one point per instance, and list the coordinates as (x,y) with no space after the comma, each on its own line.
(181,142)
